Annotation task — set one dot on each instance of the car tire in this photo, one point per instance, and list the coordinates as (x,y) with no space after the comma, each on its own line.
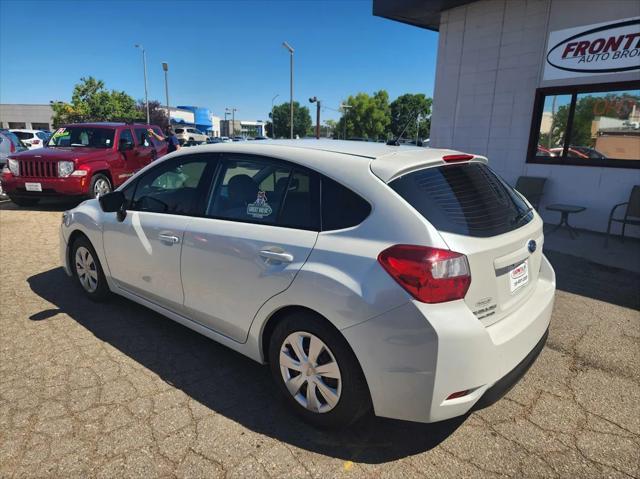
(342,399)
(25,201)
(100,185)
(87,270)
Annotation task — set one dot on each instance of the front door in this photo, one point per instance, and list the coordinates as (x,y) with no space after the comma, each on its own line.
(127,163)
(143,251)
(259,228)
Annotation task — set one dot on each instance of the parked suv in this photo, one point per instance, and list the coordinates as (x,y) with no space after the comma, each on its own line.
(31,138)
(81,160)
(188,134)
(408,280)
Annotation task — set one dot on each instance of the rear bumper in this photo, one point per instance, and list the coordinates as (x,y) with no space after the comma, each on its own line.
(51,187)
(416,356)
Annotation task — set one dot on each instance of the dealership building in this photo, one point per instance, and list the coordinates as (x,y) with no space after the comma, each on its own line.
(543,88)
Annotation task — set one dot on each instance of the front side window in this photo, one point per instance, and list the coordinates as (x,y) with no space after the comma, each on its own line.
(587,126)
(171,187)
(261,190)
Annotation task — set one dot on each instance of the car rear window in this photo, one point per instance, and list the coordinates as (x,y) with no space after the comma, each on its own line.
(341,207)
(467,199)
(179,130)
(23,135)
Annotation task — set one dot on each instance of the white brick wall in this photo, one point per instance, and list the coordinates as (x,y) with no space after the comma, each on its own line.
(490,56)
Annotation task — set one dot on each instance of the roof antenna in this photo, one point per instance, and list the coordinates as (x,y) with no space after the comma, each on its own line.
(396,141)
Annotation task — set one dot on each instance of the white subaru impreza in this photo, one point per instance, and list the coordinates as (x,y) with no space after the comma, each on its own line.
(406,280)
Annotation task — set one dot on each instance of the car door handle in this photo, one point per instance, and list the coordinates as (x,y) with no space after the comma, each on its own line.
(277,256)
(168,238)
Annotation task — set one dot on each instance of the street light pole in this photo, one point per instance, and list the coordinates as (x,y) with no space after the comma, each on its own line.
(315,100)
(144,64)
(165,67)
(288,47)
(273,121)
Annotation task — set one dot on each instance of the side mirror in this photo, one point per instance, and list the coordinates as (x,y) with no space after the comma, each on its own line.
(112,202)
(125,145)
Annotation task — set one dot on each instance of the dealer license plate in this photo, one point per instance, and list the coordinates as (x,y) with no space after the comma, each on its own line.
(519,276)
(33,186)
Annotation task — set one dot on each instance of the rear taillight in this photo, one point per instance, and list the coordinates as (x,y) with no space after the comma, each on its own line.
(430,275)
(35,142)
(12,148)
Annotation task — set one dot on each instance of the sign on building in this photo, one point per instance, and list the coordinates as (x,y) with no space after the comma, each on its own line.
(601,48)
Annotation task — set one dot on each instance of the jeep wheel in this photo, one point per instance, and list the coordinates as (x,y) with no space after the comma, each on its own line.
(100,185)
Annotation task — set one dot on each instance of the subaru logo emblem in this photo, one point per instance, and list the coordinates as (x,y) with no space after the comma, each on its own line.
(531,245)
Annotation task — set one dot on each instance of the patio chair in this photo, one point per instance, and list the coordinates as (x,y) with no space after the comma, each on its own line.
(531,188)
(631,215)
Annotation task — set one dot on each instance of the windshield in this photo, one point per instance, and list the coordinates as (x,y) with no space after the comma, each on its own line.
(82,136)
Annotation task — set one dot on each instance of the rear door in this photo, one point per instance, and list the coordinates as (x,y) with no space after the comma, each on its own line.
(258,229)
(479,215)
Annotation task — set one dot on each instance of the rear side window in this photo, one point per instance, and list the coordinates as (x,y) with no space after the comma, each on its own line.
(467,199)
(341,207)
(142,136)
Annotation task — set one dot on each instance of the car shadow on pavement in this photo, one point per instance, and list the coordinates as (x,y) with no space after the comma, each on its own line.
(45,205)
(225,381)
(605,283)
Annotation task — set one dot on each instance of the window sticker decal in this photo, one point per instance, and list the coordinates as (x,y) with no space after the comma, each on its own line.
(260,208)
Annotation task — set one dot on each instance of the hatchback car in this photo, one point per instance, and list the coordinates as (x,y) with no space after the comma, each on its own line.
(402,279)
(31,138)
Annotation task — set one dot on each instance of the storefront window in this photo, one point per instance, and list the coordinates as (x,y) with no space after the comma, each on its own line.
(600,127)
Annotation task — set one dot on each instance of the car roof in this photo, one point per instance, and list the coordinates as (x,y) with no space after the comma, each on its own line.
(331,156)
(106,124)
(24,130)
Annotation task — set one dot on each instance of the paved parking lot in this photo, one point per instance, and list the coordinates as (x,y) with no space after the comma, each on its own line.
(116,390)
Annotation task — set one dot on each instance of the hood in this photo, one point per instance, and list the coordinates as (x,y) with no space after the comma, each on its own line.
(69,154)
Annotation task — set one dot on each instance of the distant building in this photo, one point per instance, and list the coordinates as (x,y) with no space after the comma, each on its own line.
(33,117)
(517,80)
(245,128)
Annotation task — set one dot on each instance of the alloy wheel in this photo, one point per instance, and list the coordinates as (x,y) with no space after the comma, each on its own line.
(310,372)
(101,187)
(86,269)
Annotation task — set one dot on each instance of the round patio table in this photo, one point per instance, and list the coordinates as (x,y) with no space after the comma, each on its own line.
(565,211)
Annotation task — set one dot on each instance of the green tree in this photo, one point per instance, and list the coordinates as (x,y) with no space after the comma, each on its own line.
(157,113)
(280,118)
(404,112)
(90,101)
(365,116)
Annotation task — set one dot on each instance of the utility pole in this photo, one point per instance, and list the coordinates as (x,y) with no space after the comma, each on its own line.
(315,100)
(144,64)
(273,120)
(344,109)
(165,67)
(288,47)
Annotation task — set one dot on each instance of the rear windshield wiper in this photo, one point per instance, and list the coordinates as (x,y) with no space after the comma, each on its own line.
(522,215)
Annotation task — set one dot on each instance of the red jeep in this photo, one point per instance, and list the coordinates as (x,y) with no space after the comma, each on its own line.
(80,160)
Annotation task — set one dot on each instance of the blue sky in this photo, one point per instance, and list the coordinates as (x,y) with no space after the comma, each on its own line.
(221,54)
